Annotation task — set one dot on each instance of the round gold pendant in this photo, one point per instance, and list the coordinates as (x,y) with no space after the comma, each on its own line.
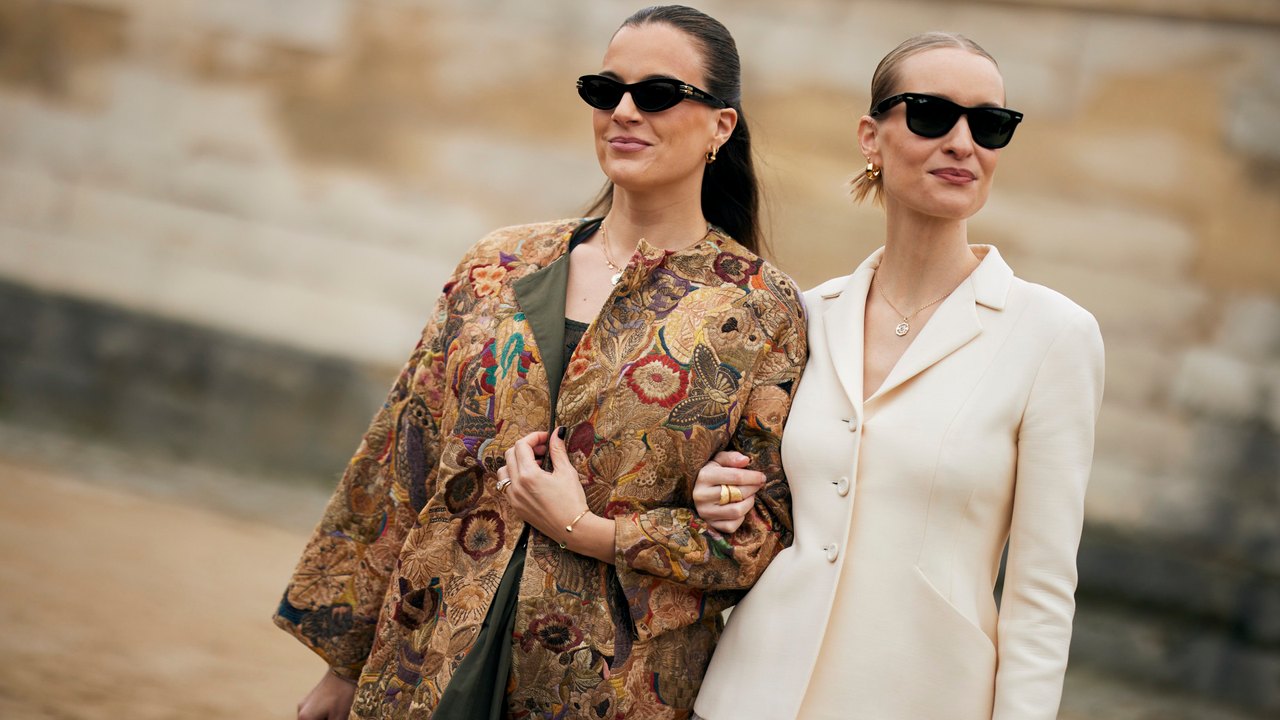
(616,277)
(902,329)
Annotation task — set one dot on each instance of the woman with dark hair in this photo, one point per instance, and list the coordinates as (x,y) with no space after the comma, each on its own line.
(947,407)
(517,535)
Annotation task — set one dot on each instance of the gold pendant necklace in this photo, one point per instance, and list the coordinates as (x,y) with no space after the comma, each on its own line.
(904,327)
(608,257)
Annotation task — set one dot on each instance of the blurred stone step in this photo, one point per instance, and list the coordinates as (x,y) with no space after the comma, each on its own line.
(1093,693)
(215,149)
(348,296)
(1139,373)
(184,391)
(312,318)
(1177,652)
(1182,579)
(1150,440)
(1163,312)
(1109,238)
(1090,693)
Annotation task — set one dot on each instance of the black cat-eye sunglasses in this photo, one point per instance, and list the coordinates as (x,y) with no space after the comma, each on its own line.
(654,95)
(931,116)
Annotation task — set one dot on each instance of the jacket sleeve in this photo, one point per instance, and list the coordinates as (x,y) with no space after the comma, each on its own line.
(334,598)
(1055,451)
(662,552)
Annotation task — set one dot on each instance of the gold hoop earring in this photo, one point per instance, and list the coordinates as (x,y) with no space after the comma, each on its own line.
(873,172)
(711,155)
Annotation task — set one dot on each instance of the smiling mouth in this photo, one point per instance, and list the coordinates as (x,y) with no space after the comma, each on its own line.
(957,176)
(627,144)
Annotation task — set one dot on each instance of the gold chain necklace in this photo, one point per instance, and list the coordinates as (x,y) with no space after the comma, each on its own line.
(904,327)
(608,257)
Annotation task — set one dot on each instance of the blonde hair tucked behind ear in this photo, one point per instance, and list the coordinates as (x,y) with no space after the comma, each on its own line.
(885,82)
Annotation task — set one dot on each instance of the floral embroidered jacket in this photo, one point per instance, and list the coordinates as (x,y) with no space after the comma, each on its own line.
(694,352)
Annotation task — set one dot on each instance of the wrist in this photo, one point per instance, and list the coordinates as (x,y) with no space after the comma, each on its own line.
(341,674)
(566,531)
(593,536)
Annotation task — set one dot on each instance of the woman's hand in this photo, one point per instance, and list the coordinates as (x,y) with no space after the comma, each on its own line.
(726,468)
(551,501)
(329,700)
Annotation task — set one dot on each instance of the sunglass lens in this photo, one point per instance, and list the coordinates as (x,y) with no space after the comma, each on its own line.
(655,96)
(991,128)
(931,117)
(601,93)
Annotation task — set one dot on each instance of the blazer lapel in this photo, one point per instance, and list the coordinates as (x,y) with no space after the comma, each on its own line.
(953,325)
(956,320)
(842,322)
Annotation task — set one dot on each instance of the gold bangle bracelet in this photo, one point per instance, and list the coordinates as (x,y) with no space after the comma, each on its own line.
(569,527)
(564,545)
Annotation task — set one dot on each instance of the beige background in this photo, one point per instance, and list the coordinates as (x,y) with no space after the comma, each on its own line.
(305,173)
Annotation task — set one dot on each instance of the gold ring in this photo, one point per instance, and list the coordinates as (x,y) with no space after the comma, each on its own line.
(724,495)
(502,484)
(735,495)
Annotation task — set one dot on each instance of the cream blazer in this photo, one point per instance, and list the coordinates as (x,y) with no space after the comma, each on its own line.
(982,432)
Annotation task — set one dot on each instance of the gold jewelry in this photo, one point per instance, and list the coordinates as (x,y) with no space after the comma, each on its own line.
(569,527)
(503,482)
(903,327)
(872,171)
(724,495)
(711,154)
(735,495)
(564,545)
(608,257)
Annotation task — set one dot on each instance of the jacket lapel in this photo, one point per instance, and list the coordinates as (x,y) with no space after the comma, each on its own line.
(541,295)
(956,320)
(953,324)
(842,322)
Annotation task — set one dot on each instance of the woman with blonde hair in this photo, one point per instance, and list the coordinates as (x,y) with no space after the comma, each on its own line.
(458,576)
(947,407)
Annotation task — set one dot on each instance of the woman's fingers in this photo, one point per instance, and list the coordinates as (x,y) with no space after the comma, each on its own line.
(730,458)
(707,489)
(526,460)
(730,517)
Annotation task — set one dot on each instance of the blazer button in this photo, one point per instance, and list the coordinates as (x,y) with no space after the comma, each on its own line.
(842,486)
(833,552)
(853,424)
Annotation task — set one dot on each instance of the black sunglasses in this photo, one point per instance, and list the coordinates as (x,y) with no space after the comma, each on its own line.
(931,116)
(653,95)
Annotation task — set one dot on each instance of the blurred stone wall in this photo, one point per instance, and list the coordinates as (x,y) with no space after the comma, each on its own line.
(222,223)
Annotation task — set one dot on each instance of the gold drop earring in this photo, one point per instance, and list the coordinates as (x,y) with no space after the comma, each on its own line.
(711,154)
(873,172)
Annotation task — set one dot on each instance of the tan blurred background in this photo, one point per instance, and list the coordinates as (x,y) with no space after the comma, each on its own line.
(222,223)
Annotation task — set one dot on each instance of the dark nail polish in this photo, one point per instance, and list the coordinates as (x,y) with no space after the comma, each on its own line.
(560,432)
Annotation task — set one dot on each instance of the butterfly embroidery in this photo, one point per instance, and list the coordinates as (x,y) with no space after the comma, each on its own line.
(712,389)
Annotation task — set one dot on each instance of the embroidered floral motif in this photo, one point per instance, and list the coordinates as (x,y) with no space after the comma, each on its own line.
(487,279)
(658,379)
(555,632)
(735,268)
(482,533)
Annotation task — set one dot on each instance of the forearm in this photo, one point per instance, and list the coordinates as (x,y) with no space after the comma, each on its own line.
(592,536)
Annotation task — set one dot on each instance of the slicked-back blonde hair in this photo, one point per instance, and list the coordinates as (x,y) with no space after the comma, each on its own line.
(885,83)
